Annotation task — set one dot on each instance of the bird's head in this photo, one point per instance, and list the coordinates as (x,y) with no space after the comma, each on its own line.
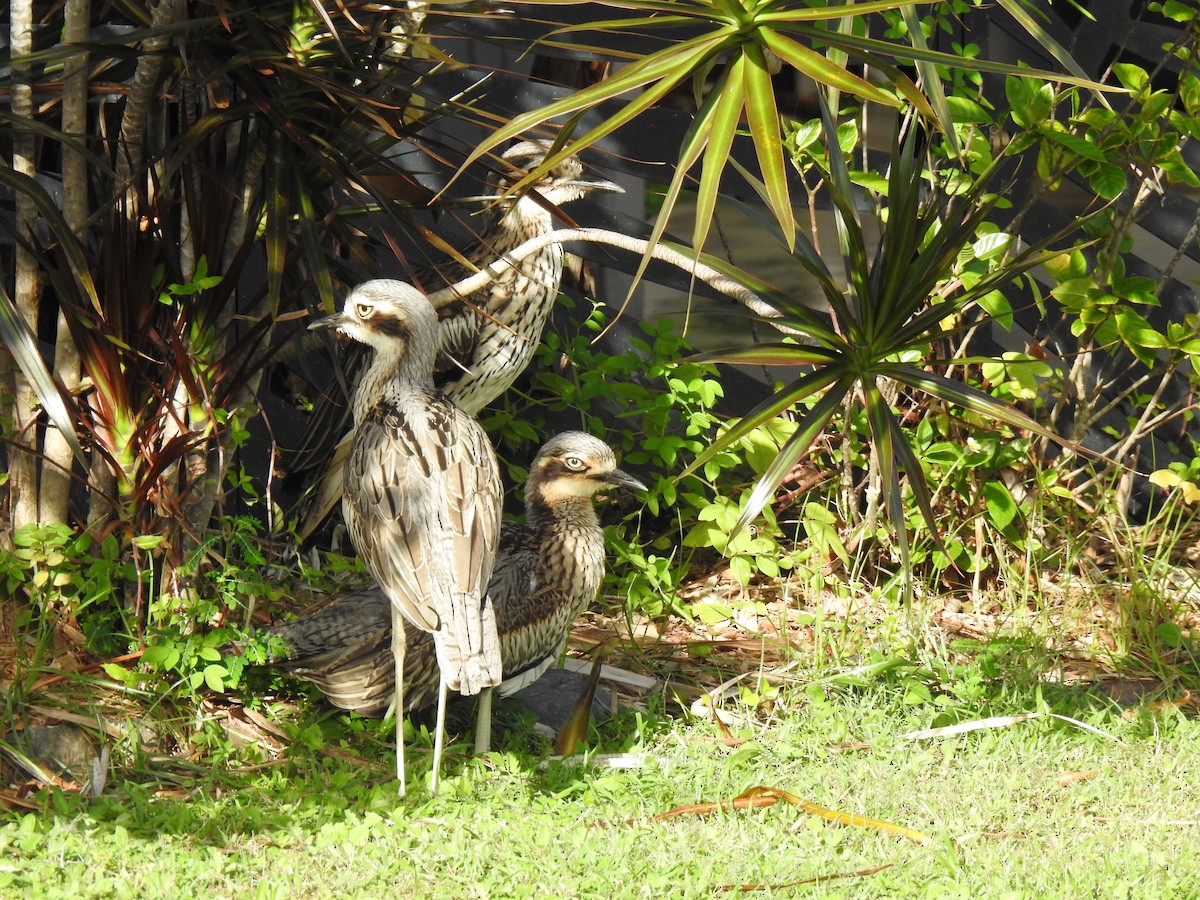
(575,464)
(567,181)
(393,318)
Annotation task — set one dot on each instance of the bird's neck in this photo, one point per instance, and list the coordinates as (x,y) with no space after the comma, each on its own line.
(564,514)
(525,219)
(389,378)
(571,542)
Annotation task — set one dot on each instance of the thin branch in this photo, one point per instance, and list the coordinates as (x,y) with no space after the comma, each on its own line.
(717,280)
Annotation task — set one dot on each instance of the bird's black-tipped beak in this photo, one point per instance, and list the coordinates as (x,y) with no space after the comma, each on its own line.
(618,478)
(598,184)
(327,322)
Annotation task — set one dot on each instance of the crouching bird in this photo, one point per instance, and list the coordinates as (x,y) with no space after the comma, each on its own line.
(548,570)
(422,497)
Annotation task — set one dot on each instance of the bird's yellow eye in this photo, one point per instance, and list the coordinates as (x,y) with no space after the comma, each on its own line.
(363,310)
(574,462)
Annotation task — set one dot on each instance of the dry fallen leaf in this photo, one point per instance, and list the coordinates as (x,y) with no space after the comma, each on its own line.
(761,797)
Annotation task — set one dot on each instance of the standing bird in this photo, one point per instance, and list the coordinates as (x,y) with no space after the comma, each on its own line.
(488,338)
(548,570)
(422,496)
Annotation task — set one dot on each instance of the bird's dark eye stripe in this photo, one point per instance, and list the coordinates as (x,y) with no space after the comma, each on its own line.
(393,326)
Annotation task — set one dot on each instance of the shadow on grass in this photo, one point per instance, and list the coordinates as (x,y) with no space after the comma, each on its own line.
(334,769)
(337,768)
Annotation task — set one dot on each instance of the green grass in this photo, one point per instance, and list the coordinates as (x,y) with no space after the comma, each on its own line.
(1000,821)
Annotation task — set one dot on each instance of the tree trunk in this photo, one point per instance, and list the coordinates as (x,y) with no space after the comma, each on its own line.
(138,105)
(22,462)
(56,474)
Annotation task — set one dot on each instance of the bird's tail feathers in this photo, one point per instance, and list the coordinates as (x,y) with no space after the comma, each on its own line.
(468,645)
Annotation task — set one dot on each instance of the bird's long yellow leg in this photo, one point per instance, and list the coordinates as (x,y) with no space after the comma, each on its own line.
(398,655)
(483,723)
(439,735)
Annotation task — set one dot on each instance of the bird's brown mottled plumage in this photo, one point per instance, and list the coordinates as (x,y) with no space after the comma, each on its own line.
(548,570)
(422,489)
(488,338)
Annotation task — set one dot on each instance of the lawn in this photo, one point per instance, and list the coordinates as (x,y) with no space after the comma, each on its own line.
(1087,797)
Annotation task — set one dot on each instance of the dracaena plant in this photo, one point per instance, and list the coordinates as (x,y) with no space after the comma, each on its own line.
(729,54)
(238,146)
(882,319)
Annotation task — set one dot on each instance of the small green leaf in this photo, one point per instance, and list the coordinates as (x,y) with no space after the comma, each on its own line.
(710,612)
(1177,11)
(762,115)
(996,305)
(161,655)
(1108,181)
(967,112)
(992,245)
(1170,634)
(118,673)
(804,135)
(214,677)
(1066,266)
(1132,77)
(917,693)
(1002,508)
(1029,100)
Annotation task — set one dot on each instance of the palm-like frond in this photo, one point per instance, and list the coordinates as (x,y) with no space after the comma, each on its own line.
(742,41)
(892,305)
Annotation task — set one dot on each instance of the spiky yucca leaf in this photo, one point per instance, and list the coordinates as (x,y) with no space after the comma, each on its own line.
(891,305)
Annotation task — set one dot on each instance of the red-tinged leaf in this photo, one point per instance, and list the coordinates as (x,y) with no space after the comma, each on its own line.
(816,879)
(693,144)
(648,98)
(22,345)
(917,483)
(885,434)
(822,69)
(863,47)
(970,398)
(275,234)
(68,243)
(727,111)
(773,406)
(797,445)
(770,354)
(834,11)
(762,115)
(850,235)
(573,733)
(668,66)
(1017,10)
(930,79)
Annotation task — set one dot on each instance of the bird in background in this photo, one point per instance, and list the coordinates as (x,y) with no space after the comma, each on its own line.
(548,570)
(486,339)
(422,496)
